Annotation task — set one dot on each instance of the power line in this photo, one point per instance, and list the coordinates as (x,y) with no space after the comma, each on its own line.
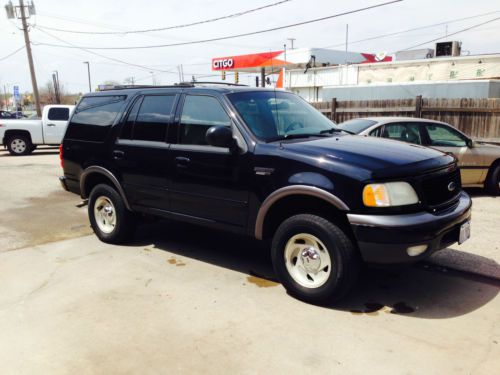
(234,15)
(70,45)
(230,36)
(455,33)
(413,29)
(12,53)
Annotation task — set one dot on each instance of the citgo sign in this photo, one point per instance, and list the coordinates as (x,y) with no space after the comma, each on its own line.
(218,64)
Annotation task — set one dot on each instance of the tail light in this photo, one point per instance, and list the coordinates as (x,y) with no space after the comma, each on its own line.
(61,155)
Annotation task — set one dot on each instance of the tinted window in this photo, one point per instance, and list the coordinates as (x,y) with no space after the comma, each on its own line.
(100,111)
(59,114)
(94,116)
(445,136)
(198,115)
(357,125)
(153,117)
(126,132)
(406,132)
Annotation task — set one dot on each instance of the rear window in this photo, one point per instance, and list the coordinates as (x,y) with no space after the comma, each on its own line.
(58,114)
(357,125)
(94,116)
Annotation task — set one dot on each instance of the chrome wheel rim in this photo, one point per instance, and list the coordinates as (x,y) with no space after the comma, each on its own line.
(18,145)
(307,260)
(105,214)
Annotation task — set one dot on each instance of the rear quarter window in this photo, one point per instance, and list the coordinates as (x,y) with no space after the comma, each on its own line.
(94,117)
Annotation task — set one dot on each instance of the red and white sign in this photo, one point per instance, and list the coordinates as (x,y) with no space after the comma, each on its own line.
(254,60)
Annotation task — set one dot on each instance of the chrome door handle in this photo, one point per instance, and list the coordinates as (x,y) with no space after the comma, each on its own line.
(51,124)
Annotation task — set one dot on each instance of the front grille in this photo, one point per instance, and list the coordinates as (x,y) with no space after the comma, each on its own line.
(436,189)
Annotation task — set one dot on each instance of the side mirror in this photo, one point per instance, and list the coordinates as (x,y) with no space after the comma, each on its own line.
(470,143)
(220,136)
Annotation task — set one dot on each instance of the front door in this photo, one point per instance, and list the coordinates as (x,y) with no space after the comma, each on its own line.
(470,160)
(142,154)
(208,183)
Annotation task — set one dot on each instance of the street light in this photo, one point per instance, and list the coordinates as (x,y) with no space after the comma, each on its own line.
(88,71)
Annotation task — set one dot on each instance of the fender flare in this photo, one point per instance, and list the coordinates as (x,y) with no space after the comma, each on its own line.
(294,190)
(106,173)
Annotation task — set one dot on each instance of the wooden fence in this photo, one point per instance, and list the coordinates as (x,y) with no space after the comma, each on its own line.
(478,118)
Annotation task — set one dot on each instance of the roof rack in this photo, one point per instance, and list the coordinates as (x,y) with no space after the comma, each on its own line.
(176,85)
(212,83)
(125,87)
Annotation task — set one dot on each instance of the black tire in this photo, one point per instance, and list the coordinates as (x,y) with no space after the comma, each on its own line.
(345,260)
(124,226)
(493,181)
(19,144)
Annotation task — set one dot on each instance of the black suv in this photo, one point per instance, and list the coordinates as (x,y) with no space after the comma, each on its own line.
(266,164)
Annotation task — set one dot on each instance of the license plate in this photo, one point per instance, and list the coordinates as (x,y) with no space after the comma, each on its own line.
(464,233)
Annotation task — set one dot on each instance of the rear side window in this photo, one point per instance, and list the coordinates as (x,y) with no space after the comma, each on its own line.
(58,114)
(153,117)
(94,116)
(148,118)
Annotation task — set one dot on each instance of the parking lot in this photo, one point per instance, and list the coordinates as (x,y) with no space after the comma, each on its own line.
(186,299)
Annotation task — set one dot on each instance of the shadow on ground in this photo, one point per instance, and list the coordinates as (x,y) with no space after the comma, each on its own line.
(421,290)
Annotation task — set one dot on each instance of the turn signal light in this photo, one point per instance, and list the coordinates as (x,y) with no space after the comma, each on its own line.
(375,195)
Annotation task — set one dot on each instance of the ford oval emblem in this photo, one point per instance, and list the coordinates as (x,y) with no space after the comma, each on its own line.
(451,186)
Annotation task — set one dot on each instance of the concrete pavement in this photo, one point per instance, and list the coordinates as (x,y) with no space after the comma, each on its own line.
(188,303)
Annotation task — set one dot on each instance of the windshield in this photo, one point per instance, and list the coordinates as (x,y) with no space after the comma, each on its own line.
(273,115)
(357,125)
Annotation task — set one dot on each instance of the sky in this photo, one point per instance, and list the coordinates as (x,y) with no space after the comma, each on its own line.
(160,65)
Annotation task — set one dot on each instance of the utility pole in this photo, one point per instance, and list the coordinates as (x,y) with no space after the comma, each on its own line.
(12,13)
(5,96)
(346,41)
(88,72)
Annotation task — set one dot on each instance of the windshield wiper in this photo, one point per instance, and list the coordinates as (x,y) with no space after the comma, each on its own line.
(335,130)
(295,136)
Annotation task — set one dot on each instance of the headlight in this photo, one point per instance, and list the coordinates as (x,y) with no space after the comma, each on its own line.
(389,194)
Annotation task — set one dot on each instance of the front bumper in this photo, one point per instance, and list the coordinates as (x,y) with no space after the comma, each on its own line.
(384,239)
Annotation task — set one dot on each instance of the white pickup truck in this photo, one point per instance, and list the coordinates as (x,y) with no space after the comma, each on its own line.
(22,136)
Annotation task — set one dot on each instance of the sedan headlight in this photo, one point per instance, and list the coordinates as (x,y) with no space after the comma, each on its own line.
(389,194)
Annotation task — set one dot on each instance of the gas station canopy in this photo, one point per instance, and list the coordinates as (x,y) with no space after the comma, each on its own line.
(273,61)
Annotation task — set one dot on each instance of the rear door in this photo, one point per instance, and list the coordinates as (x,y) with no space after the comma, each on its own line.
(141,152)
(400,131)
(55,124)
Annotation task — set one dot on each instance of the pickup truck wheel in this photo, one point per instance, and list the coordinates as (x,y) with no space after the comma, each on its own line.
(314,259)
(19,145)
(493,183)
(109,218)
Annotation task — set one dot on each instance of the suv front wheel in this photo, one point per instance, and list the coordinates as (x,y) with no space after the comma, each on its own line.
(314,259)
(109,218)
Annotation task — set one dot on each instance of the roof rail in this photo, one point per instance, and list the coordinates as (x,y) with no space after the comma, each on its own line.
(212,83)
(125,87)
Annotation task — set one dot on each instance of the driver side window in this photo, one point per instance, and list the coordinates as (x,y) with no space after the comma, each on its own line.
(445,136)
(200,113)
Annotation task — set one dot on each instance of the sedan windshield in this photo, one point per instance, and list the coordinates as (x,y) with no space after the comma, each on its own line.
(275,115)
(356,126)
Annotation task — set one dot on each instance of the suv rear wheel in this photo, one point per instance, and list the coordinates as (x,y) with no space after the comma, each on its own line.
(314,259)
(19,144)
(109,218)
